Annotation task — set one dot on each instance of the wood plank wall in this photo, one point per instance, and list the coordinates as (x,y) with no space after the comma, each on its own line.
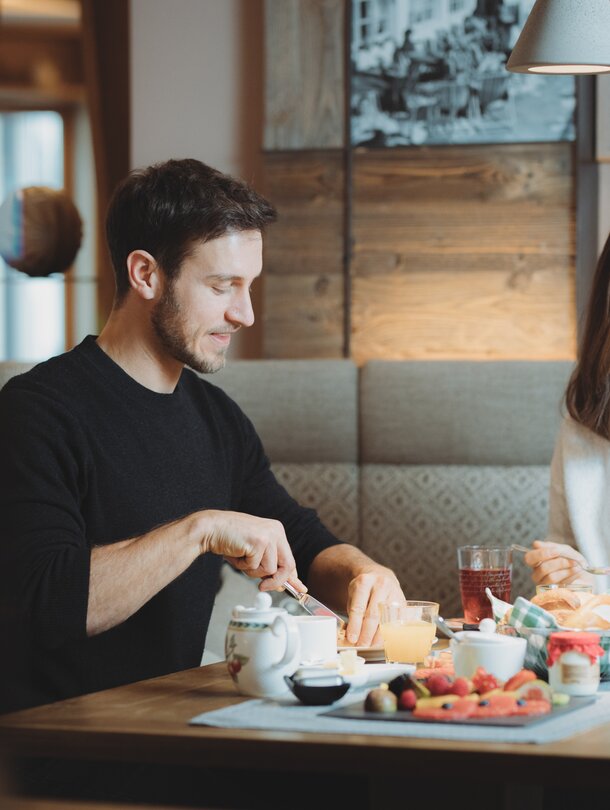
(456,252)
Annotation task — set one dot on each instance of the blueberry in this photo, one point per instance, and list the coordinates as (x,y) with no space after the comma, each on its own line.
(446,705)
(521,702)
(483,703)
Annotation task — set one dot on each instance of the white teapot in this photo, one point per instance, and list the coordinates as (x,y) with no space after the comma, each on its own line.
(262,645)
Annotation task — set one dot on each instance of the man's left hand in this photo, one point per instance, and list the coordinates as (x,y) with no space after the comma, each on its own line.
(374,585)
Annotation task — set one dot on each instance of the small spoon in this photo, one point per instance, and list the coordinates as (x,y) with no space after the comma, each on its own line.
(442,625)
(590,569)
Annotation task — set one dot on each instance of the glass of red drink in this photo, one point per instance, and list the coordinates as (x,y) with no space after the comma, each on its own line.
(482,567)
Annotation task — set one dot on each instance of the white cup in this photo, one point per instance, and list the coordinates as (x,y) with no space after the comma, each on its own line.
(318,636)
(502,656)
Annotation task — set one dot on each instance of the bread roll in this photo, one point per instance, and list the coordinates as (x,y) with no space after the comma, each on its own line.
(562,616)
(587,618)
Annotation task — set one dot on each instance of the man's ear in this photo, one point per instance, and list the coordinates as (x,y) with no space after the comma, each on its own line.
(144,274)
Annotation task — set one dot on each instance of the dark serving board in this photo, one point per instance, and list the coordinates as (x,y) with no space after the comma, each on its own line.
(355,711)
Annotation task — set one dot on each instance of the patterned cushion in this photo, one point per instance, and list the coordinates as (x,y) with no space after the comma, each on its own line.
(330,489)
(415,517)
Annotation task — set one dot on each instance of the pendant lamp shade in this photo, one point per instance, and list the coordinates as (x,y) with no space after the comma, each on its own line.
(564,37)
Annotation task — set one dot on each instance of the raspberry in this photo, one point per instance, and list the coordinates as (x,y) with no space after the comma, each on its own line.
(407,699)
(438,684)
(460,687)
(483,681)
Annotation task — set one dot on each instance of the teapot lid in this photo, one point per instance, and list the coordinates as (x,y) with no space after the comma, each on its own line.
(260,611)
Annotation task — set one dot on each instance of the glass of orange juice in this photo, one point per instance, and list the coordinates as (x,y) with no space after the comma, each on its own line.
(407,629)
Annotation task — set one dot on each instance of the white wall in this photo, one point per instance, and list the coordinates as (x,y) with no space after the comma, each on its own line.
(197,91)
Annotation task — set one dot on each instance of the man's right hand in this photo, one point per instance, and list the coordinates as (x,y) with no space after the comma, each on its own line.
(257,546)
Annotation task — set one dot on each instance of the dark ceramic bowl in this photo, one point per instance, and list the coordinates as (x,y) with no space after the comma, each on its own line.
(319,691)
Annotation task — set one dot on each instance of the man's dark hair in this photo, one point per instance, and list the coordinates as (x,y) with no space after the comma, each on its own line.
(168,208)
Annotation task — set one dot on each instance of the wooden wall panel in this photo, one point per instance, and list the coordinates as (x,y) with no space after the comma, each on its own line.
(457,252)
(303,315)
(303,258)
(106,64)
(464,252)
(479,315)
(304,87)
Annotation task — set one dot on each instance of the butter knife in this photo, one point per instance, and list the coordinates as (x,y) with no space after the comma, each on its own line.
(313,605)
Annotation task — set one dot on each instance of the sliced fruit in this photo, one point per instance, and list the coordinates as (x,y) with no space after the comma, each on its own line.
(531,707)
(535,690)
(440,700)
(497,691)
(454,710)
(436,701)
(560,699)
(411,682)
(523,676)
(498,705)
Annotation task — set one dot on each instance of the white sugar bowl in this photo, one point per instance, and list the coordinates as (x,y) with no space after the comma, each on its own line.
(262,645)
(502,656)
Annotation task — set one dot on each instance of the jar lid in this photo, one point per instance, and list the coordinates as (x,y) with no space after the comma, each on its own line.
(567,638)
(260,611)
(585,643)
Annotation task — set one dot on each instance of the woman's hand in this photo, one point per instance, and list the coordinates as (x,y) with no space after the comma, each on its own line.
(556,564)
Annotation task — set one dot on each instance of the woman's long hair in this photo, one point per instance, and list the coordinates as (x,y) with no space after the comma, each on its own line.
(588,391)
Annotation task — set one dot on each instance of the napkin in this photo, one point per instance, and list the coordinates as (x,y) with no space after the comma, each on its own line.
(525,614)
(498,607)
(522,614)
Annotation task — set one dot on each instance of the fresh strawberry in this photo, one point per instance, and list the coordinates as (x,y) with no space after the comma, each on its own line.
(460,687)
(438,684)
(407,699)
(484,681)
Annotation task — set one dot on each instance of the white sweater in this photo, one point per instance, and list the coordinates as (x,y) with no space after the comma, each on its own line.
(579,507)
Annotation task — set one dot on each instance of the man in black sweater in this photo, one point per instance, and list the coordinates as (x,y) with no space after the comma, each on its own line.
(126,479)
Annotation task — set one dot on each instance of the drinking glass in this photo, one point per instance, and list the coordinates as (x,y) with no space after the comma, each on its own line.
(483,567)
(577,587)
(407,629)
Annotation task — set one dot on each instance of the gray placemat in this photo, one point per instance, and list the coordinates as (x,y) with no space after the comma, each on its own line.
(290,715)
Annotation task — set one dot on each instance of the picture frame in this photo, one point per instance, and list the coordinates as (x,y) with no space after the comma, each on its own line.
(433,72)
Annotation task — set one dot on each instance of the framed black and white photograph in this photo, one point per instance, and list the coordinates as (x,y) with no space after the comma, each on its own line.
(434,72)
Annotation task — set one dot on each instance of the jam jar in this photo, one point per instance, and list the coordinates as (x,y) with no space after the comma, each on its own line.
(573,662)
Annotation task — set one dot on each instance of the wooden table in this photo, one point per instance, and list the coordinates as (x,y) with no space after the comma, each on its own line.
(147,723)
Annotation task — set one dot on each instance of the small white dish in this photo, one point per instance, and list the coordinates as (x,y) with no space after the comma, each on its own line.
(374,674)
(366,674)
(368,653)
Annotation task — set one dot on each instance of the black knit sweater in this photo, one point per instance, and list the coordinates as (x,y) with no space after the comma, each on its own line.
(88,456)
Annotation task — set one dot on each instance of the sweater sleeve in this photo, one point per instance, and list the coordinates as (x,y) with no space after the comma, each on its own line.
(560,529)
(44,556)
(264,496)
